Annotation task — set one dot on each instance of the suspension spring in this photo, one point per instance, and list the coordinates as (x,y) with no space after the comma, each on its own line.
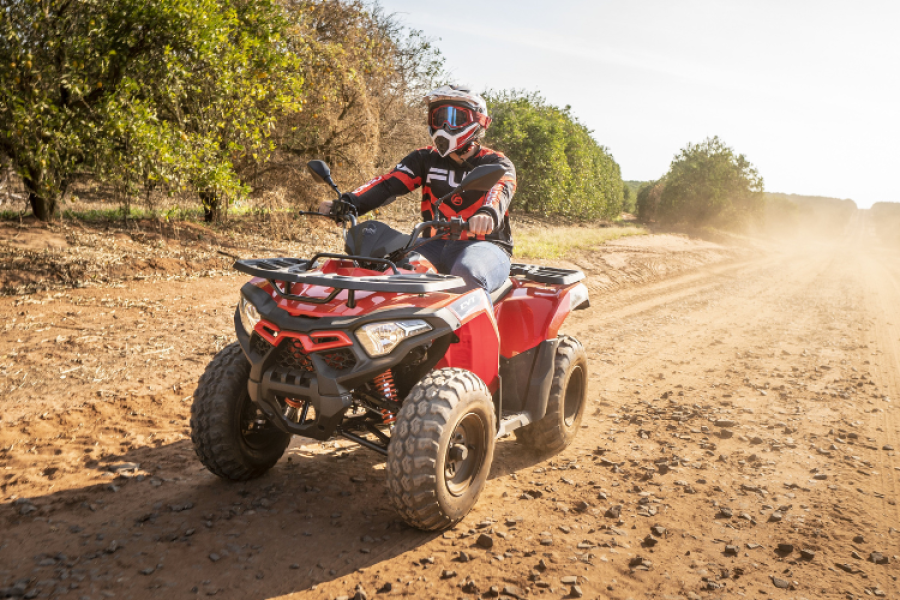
(384,383)
(296,410)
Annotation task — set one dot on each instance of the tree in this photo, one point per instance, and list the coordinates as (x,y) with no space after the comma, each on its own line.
(631,189)
(648,199)
(709,183)
(131,91)
(365,75)
(628,198)
(560,168)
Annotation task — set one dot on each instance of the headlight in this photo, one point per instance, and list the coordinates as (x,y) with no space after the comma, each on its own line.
(380,338)
(578,297)
(249,315)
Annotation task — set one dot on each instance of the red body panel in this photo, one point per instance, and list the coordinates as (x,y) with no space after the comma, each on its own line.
(479,344)
(422,265)
(529,314)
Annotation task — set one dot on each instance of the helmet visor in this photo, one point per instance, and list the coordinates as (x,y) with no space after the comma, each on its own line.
(454,117)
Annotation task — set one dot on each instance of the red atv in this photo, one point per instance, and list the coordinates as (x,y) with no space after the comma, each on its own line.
(374,346)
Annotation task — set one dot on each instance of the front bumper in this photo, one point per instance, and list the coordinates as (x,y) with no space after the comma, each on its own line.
(323,379)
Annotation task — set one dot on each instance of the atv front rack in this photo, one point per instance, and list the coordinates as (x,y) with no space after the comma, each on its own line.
(540,274)
(295,270)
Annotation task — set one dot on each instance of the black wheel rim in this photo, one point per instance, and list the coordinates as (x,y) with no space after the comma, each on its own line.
(255,429)
(574,396)
(465,454)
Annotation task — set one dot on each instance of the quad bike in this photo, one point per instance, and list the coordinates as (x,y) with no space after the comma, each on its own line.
(375,346)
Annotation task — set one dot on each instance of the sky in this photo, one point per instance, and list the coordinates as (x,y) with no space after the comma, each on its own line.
(808,91)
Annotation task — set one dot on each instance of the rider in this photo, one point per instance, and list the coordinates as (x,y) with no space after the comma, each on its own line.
(457,120)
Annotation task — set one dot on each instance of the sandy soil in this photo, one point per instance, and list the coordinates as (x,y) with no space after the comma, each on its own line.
(739,443)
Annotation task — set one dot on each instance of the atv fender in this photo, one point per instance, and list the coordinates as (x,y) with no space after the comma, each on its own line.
(529,318)
(530,314)
(540,380)
(476,347)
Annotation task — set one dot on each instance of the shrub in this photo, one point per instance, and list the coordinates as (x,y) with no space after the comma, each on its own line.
(708,183)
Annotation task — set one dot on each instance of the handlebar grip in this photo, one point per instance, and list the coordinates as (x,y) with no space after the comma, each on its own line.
(446,224)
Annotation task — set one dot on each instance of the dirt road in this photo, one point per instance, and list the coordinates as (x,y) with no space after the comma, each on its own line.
(739,443)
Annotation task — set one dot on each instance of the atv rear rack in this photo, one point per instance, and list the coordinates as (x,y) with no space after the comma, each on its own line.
(296,270)
(541,274)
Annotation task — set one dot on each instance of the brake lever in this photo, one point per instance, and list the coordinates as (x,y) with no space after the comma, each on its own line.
(337,218)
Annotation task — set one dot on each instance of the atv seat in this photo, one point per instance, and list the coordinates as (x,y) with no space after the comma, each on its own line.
(498,294)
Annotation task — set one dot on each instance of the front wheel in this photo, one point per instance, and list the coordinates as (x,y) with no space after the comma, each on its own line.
(568,398)
(441,449)
(231,436)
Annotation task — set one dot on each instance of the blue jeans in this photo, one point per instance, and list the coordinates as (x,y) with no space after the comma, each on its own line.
(479,264)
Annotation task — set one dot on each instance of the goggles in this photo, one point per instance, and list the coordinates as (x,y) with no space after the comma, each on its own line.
(455,117)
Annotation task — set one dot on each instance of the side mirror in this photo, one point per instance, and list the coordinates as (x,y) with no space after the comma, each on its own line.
(321,173)
(319,170)
(482,178)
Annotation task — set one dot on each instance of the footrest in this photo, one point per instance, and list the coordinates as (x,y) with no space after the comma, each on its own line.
(511,422)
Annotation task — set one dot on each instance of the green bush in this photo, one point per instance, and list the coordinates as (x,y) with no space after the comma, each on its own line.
(708,183)
(560,168)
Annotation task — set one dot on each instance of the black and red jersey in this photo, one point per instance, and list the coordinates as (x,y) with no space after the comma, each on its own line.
(437,176)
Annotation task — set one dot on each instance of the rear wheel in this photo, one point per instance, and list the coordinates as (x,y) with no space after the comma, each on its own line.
(441,449)
(568,398)
(231,436)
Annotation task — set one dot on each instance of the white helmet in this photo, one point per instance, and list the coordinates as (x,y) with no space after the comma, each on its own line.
(456,118)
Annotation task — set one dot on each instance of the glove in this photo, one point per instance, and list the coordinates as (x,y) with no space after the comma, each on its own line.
(343,207)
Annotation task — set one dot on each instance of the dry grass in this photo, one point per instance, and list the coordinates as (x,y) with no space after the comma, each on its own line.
(555,242)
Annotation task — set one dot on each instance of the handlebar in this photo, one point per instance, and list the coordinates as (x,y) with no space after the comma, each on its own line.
(456,226)
(341,212)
